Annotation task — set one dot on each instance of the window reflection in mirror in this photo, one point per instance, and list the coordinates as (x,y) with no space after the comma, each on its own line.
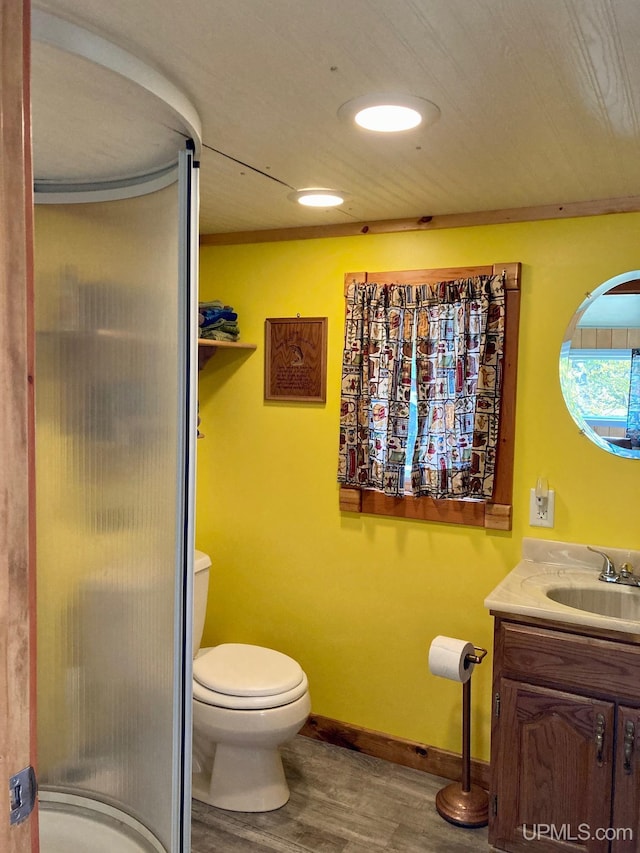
(600,366)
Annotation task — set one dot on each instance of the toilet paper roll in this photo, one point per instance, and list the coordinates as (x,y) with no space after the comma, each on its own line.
(447,658)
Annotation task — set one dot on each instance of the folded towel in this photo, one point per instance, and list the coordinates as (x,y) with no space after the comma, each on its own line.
(223,325)
(217,321)
(207,316)
(215,303)
(219,335)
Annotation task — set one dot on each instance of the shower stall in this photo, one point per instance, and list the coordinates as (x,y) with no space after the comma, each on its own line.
(115,265)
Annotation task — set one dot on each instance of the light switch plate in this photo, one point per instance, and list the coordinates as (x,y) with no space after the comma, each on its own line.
(537,519)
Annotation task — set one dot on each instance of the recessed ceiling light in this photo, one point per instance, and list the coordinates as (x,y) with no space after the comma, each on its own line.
(318,197)
(389,113)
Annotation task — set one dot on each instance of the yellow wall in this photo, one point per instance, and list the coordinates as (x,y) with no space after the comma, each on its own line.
(357,600)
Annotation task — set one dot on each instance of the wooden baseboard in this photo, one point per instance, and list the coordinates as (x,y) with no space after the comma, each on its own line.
(419,756)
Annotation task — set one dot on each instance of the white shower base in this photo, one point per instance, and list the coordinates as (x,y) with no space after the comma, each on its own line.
(72,824)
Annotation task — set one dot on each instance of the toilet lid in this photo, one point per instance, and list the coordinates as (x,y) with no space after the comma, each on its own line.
(249,703)
(239,669)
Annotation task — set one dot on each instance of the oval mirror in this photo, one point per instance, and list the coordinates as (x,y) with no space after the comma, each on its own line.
(600,366)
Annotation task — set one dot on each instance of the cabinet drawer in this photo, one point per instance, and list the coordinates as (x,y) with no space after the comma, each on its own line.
(594,667)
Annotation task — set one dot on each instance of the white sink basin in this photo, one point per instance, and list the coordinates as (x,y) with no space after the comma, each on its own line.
(559,581)
(618,602)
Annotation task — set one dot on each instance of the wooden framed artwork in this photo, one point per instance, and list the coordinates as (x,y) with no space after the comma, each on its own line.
(295,366)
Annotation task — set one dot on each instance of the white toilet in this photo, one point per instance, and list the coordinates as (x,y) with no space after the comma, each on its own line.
(247,701)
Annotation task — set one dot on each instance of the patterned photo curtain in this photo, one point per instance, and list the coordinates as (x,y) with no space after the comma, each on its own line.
(459,349)
(457,329)
(376,387)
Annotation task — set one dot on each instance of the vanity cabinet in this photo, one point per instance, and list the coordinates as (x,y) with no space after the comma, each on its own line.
(565,772)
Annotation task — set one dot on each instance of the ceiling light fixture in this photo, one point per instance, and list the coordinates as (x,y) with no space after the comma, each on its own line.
(318,197)
(389,113)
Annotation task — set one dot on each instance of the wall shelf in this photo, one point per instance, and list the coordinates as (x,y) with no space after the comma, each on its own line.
(208,347)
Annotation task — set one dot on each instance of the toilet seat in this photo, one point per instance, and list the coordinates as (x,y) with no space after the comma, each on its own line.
(246,677)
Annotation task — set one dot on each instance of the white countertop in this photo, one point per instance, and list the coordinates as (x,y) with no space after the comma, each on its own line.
(546,565)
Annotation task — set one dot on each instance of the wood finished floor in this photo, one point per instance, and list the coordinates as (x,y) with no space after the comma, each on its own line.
(341,802)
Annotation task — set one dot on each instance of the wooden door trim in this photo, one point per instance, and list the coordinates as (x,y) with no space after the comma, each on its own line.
(17,477)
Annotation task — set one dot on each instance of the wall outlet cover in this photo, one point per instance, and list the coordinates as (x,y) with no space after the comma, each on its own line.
(544,518)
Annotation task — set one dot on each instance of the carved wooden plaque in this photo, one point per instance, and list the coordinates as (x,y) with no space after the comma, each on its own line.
(295,365)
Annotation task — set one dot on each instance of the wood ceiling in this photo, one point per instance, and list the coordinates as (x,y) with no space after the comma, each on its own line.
(539,101)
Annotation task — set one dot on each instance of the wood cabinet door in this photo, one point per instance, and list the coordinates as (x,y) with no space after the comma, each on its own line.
(555,771)
(625,835)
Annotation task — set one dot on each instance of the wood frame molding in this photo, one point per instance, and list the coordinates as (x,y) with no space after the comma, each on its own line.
(598,207)
(17,471)
(497,513)
(408,753)
(295,359)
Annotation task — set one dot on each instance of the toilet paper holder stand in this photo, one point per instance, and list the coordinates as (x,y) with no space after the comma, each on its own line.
(478,657)
(463,803)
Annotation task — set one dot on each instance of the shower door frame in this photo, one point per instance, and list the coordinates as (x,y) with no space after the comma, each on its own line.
(17,468)
(17,516)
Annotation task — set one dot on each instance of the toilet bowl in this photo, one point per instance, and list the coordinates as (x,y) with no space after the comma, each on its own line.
(247,701)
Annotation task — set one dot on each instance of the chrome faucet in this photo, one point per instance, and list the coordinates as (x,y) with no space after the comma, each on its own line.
(609,573)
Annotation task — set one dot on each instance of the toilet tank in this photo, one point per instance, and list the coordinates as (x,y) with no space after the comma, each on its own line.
(201,564)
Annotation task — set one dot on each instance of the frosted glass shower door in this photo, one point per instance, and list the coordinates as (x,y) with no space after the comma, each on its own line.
(114,417)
